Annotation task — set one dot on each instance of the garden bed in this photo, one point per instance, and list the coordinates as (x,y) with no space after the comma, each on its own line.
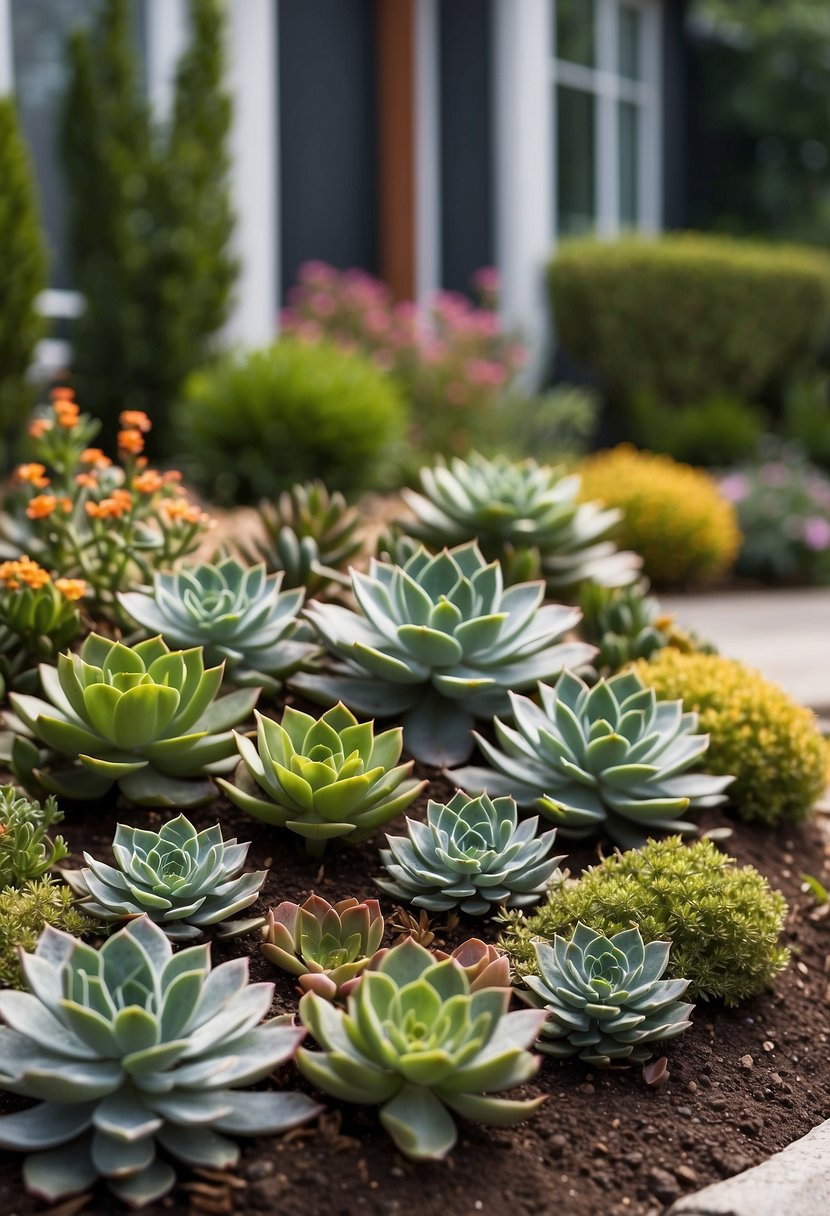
(744,1082)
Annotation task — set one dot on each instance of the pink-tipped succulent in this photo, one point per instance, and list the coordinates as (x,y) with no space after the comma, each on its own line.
(485,966)
(326,946)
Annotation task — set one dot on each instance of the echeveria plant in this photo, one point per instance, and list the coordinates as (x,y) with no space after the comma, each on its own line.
(133,1048)
(184,880)
(417,1042)
(440,642)
(144,717)
(484,965)
(326,946)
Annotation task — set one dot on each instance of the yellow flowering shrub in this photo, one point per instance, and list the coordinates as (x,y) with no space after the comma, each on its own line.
(673,515)
(757,732)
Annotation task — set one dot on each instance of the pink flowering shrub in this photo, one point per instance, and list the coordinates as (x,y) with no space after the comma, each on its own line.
(453,359)
(783,506)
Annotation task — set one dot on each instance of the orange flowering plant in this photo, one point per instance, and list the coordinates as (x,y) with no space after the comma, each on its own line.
(110,523)
(39,617)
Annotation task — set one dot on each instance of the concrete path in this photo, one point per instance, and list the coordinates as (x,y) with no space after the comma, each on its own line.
(785,634)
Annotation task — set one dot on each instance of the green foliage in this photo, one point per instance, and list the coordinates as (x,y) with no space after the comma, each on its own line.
(723,921)
(134,1049)
(715,432)
(322,778)
(757,732)
(150,215)
(416,1041)
(440,642)
(143,717)
(326,946)
(554,427)
(184,880)
(26,850)
(624,623)
(25,912)
(610,757)
(604,997)
(252,424)
(472,854)
(238,614)
(687,317)
(37,620)
(806,418)
(24,276)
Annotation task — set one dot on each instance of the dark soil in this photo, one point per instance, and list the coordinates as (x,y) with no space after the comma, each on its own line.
(744,1082)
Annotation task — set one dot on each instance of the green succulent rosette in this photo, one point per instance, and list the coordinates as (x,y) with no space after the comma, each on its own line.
(143,717)
(326,946)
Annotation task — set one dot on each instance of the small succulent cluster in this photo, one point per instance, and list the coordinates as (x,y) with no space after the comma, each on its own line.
(134,1048)
(440,642)
(236,613)
(624,623)
(471,854)
(525,515)
(26,849)
(415,1040)
(326,946)
(144,717)
(604,997)
(185,881)
(311,536)
(322,778)
(38,617)
(611,757)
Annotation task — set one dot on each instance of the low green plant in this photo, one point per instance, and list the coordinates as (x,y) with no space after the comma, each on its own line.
(439,642)
(723,920)
(26,849)
(185,881)
(38,618)
(757,732)
(715,432)
(25,912)
(553,426)
(604,996)
(472,854)
(238,614)
(253,424)
(417,1042)
(624,623)
(322,778)
(143,717)
(327,946)
(130,1049)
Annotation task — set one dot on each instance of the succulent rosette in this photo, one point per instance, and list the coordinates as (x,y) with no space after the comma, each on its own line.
(185,881)
(439,642)
(415,1040)
(471,854)
(237,614)
(130,1049)
(326,946)
(604,997)
(322,778)
(143,717)
(610,758)
(484,965)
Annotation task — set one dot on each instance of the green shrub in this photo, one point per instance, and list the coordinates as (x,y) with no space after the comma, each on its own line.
(674,516)
(806,417)
(756,731)
(23,278)
(718,431)
(24,914)
(689,316)
(723,921)
(254,424)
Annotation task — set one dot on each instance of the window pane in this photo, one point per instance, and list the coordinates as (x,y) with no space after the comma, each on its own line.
(629,47)
(575,31)
(629,136)
(575,144)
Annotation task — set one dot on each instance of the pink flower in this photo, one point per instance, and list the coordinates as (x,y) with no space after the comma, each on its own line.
(316,273)
(487,280)
(321,304)
(817,533)
(735,487)
(308,331)
(485,373)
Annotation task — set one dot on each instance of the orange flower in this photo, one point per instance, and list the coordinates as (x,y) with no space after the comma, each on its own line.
(62,394)
(96,457)
(72,588)
(67,413)
(172,477)
(179,510)
(65,504)
(131,441)
(23,570)
(89,481)
(148,482)
(41,506)
(39,427)
(33,474)
(135,420)
(118,504)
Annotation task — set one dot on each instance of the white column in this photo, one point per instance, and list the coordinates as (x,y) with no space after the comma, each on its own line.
(252,79)
(651,142)
(167,36)
(427,151)
(6,61)
(524,165)
(606,100)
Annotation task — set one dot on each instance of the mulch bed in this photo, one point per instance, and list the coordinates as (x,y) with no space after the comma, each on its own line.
(744,1082)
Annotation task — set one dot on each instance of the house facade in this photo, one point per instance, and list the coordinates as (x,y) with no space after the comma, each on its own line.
(418,139)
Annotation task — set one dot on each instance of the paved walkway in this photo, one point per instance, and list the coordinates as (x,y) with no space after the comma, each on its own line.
(785,634)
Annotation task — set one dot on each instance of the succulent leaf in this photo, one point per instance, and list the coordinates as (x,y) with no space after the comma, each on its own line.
(326,946)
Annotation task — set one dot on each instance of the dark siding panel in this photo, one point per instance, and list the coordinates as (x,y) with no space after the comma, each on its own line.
(465,66)
(327,134)
(675,116)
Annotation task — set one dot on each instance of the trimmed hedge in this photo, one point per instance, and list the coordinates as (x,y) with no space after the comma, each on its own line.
(687,316)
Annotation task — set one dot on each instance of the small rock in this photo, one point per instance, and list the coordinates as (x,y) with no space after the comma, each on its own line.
(746,1061)
(692,1087)
(557,1145)
(768,1045)
(588,1088)
(601,1147)
(685,1111)
(663,1185)
(718,1103)
(685,1173)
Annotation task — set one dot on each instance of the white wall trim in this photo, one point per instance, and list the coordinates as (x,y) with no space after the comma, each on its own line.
(167,36)
(427,150)
(6,59)
(252,79)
